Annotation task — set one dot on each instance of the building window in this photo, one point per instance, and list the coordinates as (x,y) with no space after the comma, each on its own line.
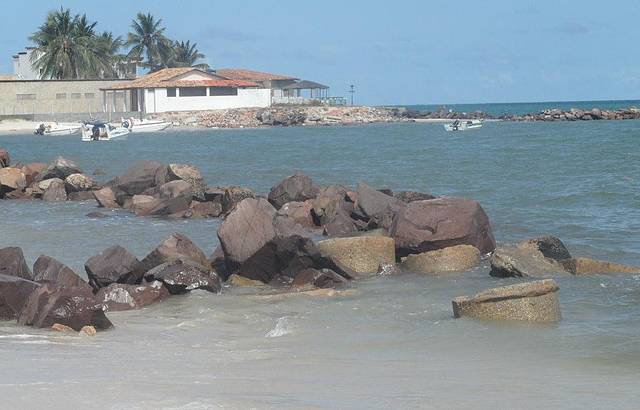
(76,96)
(61,96)
(193,92)
(213,91)
(22,97)
(171,92)
(89,96)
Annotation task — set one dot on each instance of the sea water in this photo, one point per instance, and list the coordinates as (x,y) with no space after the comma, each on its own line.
(393,342)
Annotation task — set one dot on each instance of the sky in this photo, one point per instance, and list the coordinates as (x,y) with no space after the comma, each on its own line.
(393,52)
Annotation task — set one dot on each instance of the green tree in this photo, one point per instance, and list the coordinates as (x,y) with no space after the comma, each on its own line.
(66,47)
(186,54)
(147,38)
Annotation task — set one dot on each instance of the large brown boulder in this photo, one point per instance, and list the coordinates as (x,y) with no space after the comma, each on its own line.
(12,263)
(422,226)
(11,179)
(233,195)
(362,254)
(55,191)
(523,261)
(48,269)
(164,206)
(79,182)
(299,212)
(5,158)
(246,230)
(32,171)
(341,225)
(113,265)
(377,205)
(550,246)
(205,209)
(587,266)
(175,246)
(60,168)
(457,258)
(142,203)
(141,176)
(106,198)
(120,296)
(412,196)
(533,301)
(14,292)
(297,187)
(182,276)
(175,189)
(73,307)
(330,201)
(192,176)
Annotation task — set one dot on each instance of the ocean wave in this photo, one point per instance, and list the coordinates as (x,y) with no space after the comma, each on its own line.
(282,328)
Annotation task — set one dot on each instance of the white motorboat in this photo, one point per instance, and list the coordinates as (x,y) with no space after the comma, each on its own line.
(145,125)
(103,132)
(58,128)
(463,125)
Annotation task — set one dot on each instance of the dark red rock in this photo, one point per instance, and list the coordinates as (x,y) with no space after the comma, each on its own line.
(182,276)
(438,223)
(12,263)
(342,225)
(297,187)
(48,269)
(324,278)
(113,265)
(120,296)
(14,292)
(329,201)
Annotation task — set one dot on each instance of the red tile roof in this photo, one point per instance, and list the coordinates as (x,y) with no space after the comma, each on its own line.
(168,78)
(241,74)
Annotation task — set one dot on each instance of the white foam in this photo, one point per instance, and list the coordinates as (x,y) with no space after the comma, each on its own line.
(282,328)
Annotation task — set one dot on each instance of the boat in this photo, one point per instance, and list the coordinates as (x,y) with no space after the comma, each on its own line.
(145,125)
(56,128)
(462,125)
(99,131)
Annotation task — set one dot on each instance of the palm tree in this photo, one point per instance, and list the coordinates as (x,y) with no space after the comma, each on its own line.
(66,48)
(110,45)
(148,38)
(186,54)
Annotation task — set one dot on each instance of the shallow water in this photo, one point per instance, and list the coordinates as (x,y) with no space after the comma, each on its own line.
(393,344)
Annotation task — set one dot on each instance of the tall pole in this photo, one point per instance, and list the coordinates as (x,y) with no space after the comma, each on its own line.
(352,91)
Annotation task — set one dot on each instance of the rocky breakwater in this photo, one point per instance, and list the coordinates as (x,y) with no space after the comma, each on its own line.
(285,116)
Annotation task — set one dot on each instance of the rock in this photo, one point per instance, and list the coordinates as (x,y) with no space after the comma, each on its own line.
(106,198)
(88,330)
(57,327)
(119,296)
(12,179)
(246,230)
(214,195)
(233,195)
(14,292)
(422,226)
(340,226)
(165,207)
(55,192)
(205,209)
(192,176)
(363,254)
(523,261)
(457,258)
(324,278)
(299,212)
(533,301)
(176,246)
(181,276)
(376,204)
(113,265)
(217,262)
(550,246)
(142,203)
(45,184)
(237,280)
(587,266)
(176,189)
(78,182)
(329,202)
(80,196)
(32,171)
(297,187)
(412,196)
(73,307)
(96,215)
(141,176)
(48,269)
(5,158)
(61,168)
(12,263)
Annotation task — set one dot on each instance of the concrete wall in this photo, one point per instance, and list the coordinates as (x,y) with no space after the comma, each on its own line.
(156,100)
(50,97)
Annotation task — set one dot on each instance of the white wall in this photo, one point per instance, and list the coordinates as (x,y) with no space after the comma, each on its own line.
(247,97)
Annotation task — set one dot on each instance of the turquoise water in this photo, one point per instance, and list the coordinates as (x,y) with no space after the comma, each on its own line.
(394,343)
(498,109)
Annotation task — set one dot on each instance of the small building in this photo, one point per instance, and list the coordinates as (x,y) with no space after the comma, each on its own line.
(22,67)
(189,89)
(275,82)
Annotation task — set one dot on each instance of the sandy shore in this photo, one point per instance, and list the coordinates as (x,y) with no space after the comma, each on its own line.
(10,126)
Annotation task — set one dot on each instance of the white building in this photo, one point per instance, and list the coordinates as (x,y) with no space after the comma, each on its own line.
(189,89)
(22,67)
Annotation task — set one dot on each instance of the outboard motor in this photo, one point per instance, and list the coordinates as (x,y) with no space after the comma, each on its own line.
(39,130)
(95,133)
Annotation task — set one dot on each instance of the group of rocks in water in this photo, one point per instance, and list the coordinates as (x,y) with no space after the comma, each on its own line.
(552,114)
(269,241)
